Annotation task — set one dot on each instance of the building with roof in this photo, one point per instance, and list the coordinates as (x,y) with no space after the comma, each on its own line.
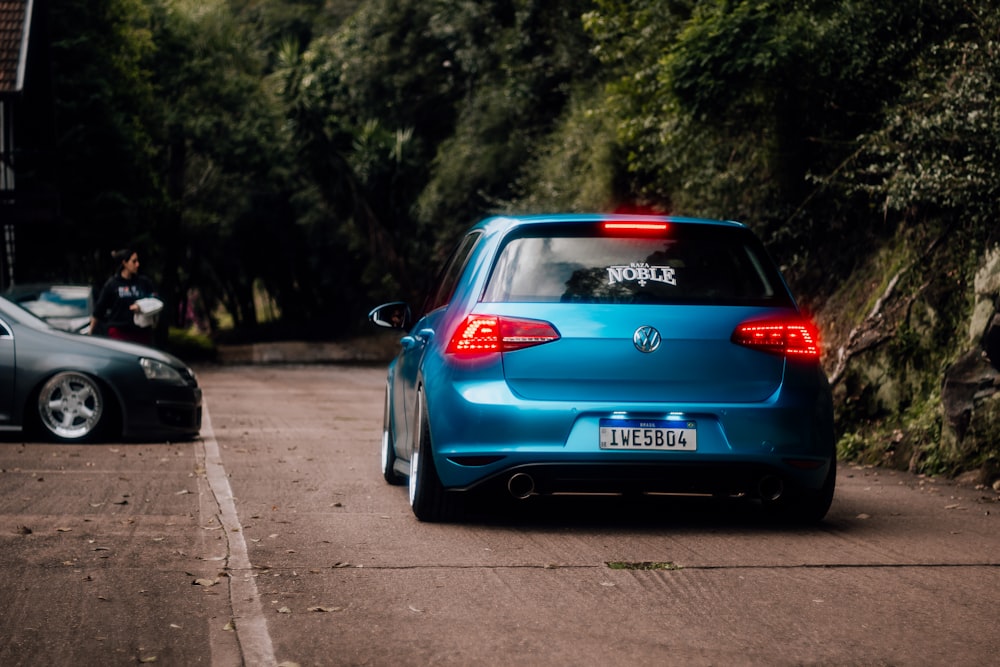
(25,132)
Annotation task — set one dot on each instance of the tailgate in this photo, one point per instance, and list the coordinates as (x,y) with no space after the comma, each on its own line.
(596,359)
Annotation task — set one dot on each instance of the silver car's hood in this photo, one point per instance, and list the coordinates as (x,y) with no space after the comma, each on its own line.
(81,343)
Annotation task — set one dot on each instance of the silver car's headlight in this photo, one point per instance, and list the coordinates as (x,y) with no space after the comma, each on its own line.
(157,370)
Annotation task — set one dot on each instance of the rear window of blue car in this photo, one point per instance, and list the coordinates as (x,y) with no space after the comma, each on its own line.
(688,264)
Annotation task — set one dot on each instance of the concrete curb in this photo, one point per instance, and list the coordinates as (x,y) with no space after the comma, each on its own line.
(379,348)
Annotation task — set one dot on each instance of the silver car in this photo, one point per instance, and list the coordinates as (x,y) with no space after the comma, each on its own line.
(65,307)
(76,388)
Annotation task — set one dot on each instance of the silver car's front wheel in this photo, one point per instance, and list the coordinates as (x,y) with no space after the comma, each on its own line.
(71,406)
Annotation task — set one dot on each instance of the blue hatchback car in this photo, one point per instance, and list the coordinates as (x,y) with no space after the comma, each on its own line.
(608,353)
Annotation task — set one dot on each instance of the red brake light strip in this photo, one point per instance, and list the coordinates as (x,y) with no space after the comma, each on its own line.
(636,226)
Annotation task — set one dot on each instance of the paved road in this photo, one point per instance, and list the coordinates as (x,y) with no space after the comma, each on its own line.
(274,541)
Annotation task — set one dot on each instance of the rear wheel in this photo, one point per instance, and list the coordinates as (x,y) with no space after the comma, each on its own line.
(428,497)
(389,447)
(815,505)
(810,506)
(71,406)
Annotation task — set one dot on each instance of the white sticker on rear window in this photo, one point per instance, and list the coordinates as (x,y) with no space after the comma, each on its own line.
(641,272)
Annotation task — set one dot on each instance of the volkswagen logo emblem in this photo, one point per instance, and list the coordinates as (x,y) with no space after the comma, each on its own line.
(646,339)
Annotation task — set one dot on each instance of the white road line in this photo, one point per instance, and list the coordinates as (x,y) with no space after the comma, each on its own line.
(251,627)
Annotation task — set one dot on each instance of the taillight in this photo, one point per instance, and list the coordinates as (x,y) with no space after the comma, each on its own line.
(480,334)
(795,338)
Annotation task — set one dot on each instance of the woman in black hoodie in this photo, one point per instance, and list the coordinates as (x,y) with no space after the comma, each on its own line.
(115,308)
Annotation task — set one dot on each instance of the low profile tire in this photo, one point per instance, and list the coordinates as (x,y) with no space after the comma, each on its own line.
(810,507)
(815,505)
(389,448)
(428,498)
(71,407)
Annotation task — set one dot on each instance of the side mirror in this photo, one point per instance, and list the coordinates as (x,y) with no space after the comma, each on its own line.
(394,315)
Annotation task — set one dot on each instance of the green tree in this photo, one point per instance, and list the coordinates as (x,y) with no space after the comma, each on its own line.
(931,168)
(221,155)
(274,22)
(102,169)
(369,105)
(738,103)
(938,148)
(517,65)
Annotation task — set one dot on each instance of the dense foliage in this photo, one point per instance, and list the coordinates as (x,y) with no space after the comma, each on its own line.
(301,160)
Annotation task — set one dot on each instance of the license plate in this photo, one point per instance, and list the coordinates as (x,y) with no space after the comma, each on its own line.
(649,435)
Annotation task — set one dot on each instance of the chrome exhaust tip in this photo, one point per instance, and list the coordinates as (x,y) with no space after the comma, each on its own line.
(521,485)
(770,488)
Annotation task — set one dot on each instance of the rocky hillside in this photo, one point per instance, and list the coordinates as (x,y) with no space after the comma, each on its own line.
(913,352)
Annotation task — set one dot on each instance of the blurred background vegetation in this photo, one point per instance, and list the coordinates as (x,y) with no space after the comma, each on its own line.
(284,165)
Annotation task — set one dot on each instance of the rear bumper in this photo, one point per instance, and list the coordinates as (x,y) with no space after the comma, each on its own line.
(481,433)
(751,479)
